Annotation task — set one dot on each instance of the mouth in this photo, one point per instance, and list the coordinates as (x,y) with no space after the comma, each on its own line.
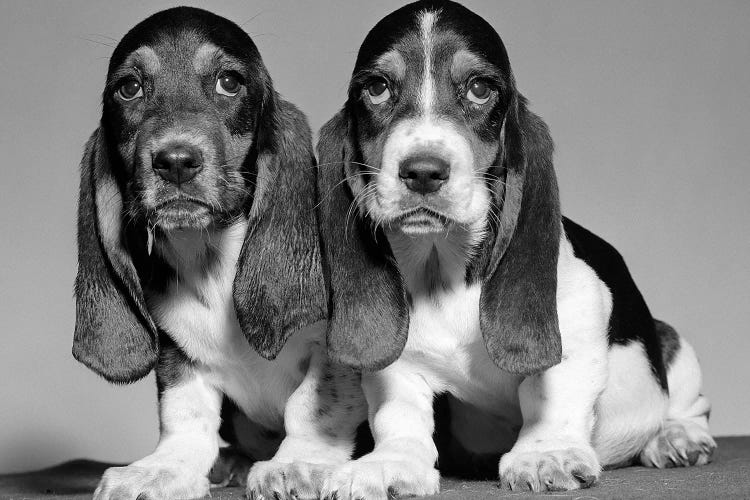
(422,220)
(182,212)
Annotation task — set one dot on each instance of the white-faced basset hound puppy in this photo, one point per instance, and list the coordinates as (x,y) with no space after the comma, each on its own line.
(450,269)
(197,233)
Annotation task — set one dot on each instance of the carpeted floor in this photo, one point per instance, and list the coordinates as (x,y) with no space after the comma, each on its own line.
(727,477)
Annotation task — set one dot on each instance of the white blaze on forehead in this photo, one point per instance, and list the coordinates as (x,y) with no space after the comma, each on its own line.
(427,20)
(204,56)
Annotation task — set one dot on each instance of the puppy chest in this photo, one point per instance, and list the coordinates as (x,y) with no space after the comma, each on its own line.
(201,321)
(445,345)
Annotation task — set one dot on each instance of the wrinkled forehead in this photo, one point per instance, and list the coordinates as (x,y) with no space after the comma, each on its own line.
(183,38)
(186,53)
(414,34)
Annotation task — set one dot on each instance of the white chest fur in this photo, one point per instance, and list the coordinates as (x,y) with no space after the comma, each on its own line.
(445,343)
(197,312)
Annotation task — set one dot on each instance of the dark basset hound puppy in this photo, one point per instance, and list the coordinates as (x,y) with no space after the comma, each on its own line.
(197,233)
(450,269)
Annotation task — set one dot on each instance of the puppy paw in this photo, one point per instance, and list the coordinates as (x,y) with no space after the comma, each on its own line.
(679,444)
(276,480)
(231,468)
(552,470)
(376,480)
(151,483)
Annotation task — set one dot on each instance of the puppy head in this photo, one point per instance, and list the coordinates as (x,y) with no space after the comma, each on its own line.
(185,97)
(429,95)
(433,137)
(192,136)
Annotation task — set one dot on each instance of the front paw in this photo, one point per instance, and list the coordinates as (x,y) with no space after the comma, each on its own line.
(151,483)
(380,480)
(550,470)
(277,480)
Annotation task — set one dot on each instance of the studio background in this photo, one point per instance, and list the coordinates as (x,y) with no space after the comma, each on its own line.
(648,103)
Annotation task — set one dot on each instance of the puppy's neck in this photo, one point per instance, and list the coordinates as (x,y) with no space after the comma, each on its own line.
(193,252)
(435,262)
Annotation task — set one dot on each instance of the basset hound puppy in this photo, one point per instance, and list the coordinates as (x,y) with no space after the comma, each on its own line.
(197,234)
(450,269)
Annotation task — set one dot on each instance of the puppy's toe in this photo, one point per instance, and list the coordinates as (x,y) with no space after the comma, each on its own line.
(549,470)
(380,480)
(680,443)
(276,480)
(151,483)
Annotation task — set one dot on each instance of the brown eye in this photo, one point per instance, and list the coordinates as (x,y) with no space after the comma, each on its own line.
(378,91)
(228,84)
(130,90)
(479,91)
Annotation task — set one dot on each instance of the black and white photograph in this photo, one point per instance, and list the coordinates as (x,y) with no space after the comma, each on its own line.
(349,250)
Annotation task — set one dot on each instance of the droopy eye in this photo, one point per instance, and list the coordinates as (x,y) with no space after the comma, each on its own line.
(228,84)
(479,91)
(131,89)
(378,91)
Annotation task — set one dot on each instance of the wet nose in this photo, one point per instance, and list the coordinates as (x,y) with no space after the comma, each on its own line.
(424,174)
(177,163)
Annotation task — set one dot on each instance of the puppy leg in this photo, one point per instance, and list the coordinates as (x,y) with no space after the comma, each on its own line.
(321,420)
(189,414)
(684,438)
(402,423)
(554,450)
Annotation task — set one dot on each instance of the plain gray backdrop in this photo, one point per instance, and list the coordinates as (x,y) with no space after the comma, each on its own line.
(648,102)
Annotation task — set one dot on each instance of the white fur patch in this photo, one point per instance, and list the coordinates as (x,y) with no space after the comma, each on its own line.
(623,428)
(427,22)
(464,198)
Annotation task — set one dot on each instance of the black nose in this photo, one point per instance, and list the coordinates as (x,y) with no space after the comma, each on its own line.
(177,163)
(424,174)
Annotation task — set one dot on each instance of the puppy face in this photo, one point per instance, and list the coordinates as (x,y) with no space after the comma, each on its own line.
(429,101)
(184,96)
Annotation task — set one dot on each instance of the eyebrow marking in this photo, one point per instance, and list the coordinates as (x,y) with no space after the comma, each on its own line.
(143,56)
(149,59)
(204,57)
(463,63)
(142,60)
(392,62)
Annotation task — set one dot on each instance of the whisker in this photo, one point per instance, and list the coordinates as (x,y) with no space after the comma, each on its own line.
(376,169)
(98,42)
(354,206)
(330,191)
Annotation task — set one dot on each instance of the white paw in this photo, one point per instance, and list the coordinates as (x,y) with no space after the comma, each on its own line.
(150,483)
(679,444)
(271,480)
(380,480)
(549,470)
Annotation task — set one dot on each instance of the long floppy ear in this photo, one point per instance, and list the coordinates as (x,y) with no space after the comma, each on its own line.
(367,305)
(278,287)
(518,308)
(114,334)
